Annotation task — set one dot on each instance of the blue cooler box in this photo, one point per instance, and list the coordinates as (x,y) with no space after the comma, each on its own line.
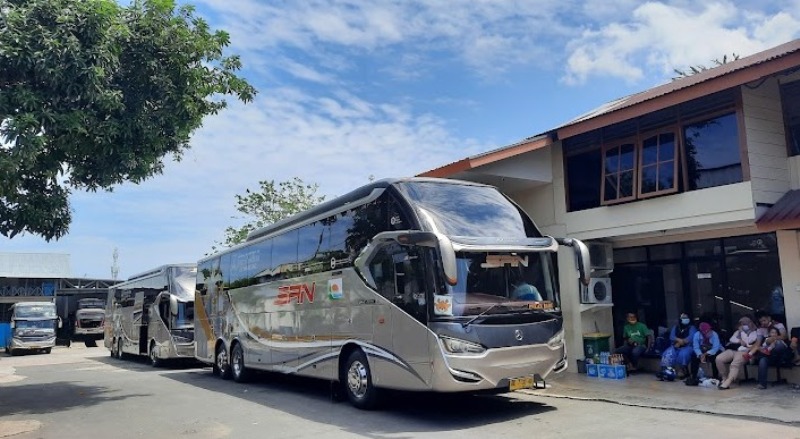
(612,371)
(592,370)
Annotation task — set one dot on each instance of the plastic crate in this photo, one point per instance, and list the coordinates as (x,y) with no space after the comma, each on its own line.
(592,370)
(612,371)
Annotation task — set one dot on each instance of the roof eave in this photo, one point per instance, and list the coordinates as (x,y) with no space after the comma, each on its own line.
(710,86)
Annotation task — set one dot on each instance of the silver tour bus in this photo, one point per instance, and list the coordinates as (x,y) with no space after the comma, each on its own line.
(414,284)
(152,314)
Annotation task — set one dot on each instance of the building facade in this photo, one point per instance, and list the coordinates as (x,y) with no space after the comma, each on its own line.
(691,188)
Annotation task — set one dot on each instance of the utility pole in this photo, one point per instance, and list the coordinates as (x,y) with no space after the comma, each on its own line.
(114,264)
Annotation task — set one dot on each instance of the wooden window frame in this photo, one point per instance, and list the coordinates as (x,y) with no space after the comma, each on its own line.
(676,159)
(607,146)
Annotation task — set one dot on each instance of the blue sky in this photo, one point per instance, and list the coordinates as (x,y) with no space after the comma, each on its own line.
(351,89)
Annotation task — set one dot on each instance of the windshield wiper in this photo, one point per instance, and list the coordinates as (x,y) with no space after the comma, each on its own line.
(466,324)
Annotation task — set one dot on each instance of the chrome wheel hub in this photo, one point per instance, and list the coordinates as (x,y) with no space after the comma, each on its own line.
(357,379)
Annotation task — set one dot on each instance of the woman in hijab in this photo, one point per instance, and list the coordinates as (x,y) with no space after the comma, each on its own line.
(706,346)
(743,344)
(679,353)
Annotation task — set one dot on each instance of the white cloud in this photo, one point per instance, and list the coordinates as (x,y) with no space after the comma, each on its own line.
(659,37)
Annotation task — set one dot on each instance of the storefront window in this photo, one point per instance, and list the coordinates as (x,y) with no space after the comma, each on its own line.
(711,247)
(716,279)
(665,252)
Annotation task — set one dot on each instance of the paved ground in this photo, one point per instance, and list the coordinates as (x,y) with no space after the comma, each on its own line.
(80,393)
(779,403)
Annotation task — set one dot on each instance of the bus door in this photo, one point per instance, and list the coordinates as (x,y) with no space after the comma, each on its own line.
(400,277)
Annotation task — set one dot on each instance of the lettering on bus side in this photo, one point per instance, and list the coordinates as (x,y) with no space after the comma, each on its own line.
(298,293)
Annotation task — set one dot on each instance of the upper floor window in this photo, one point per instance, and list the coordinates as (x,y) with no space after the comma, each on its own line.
(641,167)
(684,155)
(712,152)
(790,96)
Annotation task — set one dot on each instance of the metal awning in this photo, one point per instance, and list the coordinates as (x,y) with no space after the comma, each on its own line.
(783,215)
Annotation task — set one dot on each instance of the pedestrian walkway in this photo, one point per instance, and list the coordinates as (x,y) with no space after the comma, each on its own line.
(779,403)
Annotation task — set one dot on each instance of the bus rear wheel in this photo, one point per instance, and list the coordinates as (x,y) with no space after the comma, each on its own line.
(120,354)
(240,373)
(221,365)
(357,381)
(154,360)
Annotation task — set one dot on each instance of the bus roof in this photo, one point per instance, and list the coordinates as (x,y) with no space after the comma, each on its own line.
(159,270)
(356,197)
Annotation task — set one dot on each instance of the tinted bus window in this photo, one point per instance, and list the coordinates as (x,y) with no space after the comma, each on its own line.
(284,255)
(310,243)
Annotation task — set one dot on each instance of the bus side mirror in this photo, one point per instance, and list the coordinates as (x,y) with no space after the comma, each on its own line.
(12,324)
(173,305)
(448,259)
(582,260)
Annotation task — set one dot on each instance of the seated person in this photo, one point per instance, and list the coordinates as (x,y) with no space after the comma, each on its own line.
(679,354)
(706,346)
(526,291)
(635,337)
(793,345)
(743,344)
(777,340)
(773,342)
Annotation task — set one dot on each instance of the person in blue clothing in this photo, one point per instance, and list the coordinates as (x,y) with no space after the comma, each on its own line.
(679,354)
(705,346)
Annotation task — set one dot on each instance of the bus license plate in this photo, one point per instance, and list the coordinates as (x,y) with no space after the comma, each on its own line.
(520,383)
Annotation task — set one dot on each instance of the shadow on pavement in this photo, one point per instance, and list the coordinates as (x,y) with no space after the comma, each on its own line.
(139,363)
(24,399)
(313,399)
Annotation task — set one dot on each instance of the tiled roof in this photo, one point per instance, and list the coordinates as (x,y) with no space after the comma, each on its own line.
(688,82)
(785,214)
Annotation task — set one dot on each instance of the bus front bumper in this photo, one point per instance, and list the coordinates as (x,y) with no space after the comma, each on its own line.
(500,369)
(18,344)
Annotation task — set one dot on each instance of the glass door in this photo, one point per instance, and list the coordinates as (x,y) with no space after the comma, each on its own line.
(707,291)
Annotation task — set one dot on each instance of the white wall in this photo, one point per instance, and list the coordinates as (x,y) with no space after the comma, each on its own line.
(713,206)
(766,141)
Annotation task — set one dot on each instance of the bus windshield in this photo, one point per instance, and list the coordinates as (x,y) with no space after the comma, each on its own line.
(466,210)
(35,324)
(491,282)
(35,311)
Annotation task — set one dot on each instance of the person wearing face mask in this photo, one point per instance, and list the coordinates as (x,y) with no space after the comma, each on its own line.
(743,345)
(635,340)
(679,354)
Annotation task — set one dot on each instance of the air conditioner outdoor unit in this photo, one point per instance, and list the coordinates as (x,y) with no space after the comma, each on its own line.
(598,291)
(601,256)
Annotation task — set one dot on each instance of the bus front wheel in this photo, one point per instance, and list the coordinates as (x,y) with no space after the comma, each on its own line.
(221,365)
(240,373)
(357,381)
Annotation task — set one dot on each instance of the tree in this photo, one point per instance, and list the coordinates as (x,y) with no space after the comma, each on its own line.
(95,94)
(271,204)
(693,70)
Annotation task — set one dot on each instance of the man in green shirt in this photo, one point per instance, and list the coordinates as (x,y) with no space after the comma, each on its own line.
(635,335)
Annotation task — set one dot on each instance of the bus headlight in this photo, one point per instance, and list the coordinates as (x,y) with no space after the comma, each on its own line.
(557,340)
(456,346)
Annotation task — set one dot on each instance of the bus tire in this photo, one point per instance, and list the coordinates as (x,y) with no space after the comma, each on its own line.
(90,343)
(221,365)
(120,354)
(357,381)
(154,360)
(241,374)
(47,350)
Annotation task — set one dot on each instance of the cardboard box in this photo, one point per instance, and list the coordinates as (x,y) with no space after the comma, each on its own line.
(612,371)
(592,370)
